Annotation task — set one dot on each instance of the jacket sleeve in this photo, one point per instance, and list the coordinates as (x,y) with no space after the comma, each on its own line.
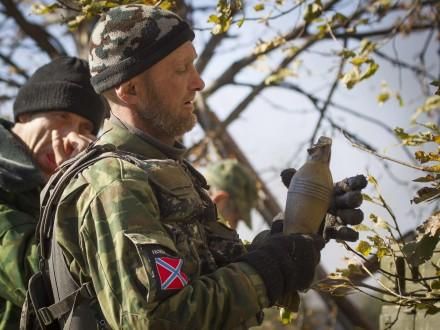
(18,253)
(120,230)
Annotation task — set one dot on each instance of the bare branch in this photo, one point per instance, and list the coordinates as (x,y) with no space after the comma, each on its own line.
(10,82)
(324,108)
(20,71)
(420,168)
(399,63)
(228,75)
(345,109)
(209,51)
(42,38)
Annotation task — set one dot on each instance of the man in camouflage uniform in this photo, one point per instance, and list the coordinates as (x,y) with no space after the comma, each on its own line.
(141,228)
(56,112)
(145,234)
(234,191)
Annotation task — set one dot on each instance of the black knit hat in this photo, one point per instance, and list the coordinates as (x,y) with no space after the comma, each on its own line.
(62,85)
(129,39)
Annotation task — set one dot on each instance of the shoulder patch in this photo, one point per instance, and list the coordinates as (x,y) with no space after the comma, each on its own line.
(170,273)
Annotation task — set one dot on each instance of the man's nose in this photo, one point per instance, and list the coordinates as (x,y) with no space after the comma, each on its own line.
(198,83)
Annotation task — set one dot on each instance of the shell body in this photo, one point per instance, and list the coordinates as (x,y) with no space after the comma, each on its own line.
(310,191)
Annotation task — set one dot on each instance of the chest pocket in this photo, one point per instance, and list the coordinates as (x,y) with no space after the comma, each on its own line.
(177,197)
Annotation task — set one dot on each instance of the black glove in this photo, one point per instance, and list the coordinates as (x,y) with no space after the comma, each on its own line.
(343,211)
(286,263)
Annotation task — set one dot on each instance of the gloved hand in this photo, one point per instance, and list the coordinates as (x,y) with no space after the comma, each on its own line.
(343,211)
(286,263)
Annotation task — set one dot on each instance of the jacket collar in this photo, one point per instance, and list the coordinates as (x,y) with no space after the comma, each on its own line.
(131,139)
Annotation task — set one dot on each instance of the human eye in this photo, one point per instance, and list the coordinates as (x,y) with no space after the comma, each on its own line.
(182,68)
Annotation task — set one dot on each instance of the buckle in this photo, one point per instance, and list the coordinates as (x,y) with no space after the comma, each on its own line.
(87,290)
(45,315)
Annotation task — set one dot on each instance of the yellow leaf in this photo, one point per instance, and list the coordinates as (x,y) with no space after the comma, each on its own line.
(361,227)
(213,19)
(259,7)
(371,179)
(383,97)
(358,60)
(364,248)
(435,168)
(351,78)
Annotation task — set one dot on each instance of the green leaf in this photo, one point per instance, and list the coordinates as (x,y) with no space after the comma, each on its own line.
(240,22)
(346,53)
(371,70)
(259,7)
(364,248)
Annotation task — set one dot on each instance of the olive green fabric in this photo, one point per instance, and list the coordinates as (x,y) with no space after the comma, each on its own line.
(230,176)
(116,219)
(20,183)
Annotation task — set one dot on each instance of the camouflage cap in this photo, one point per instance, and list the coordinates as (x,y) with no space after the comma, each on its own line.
(129,39)
(228,175)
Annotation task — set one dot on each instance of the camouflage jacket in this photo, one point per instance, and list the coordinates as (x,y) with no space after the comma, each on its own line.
(20,183)
(142,235)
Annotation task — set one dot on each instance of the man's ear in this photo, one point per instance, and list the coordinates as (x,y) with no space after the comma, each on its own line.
(220,196)
(126,93)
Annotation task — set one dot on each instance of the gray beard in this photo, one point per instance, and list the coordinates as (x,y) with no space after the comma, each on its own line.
(163,121)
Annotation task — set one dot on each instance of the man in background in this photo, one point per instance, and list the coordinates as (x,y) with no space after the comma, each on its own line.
(56,115)
(234,191)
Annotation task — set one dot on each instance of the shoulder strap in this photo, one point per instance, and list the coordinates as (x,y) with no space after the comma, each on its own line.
(53,190)
(69,305)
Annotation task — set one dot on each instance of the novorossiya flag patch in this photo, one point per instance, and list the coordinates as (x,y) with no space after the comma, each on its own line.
(170,273)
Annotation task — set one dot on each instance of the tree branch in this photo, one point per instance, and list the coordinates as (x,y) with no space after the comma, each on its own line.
(402,64)
(228,75)
(42,38)
(324,108)
(19,70)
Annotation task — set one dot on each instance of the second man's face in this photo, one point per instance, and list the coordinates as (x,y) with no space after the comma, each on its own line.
(168,91)
(55,136)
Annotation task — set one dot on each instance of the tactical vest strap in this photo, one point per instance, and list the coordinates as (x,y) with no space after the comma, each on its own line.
(57,310)
(41,295)
(55,187)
